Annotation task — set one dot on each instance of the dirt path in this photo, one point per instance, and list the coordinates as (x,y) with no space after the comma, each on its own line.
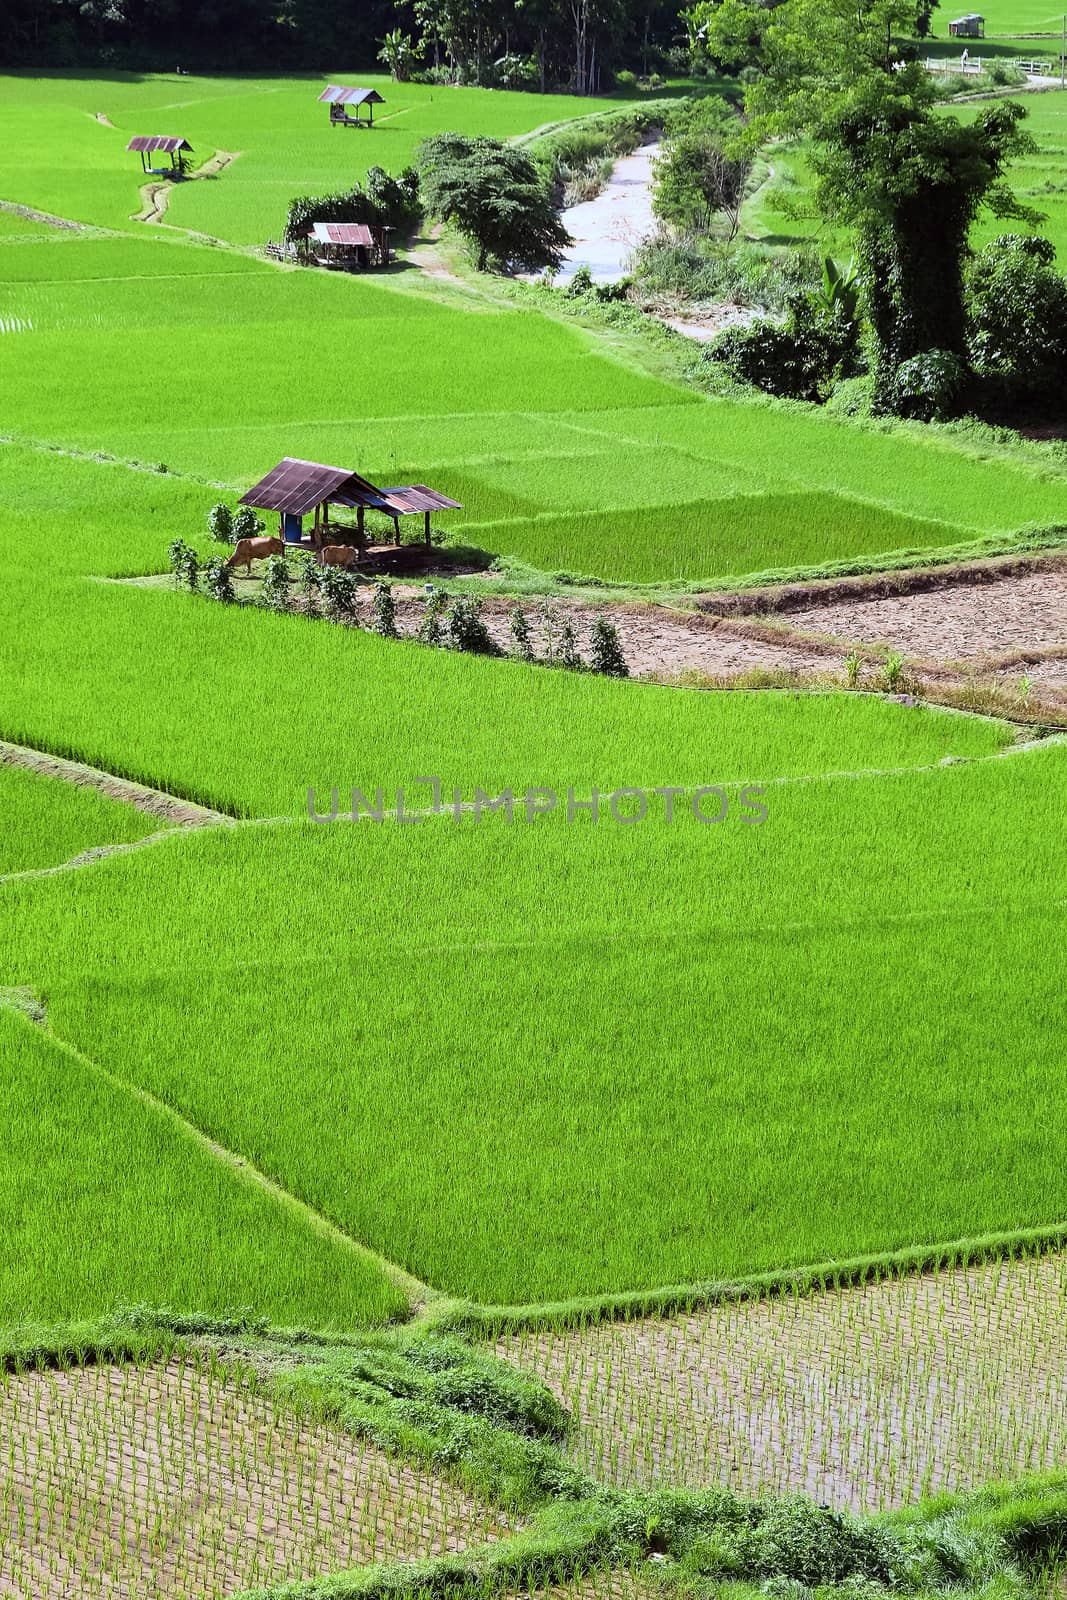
(156,803)
(607,230)
(155,196)
(102,116)
(29,214)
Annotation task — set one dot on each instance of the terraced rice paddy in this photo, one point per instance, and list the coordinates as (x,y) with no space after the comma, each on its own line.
(338,1075)
(866,1397)
(182,1482)
(47,821)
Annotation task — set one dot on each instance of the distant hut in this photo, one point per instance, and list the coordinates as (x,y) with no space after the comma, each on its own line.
(972,26)
(147,145)
(339,98)
(350,245)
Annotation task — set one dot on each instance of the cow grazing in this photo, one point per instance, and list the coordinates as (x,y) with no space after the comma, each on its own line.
(245,551)
(338,555)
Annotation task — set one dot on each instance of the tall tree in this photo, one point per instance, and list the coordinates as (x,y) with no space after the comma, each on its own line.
(908,179)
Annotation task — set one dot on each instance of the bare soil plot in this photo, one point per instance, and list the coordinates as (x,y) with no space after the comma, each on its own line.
(865,1398)
(961,623)
(178,1481)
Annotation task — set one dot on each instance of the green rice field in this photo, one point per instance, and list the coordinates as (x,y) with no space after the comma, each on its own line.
(519,1062)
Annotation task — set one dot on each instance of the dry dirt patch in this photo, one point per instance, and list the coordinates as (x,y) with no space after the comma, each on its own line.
(865,1398)
(178,1481)
(960,623)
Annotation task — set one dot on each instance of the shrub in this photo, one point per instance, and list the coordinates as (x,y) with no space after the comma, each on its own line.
(246,524)
(928,386)
(220,523)
(309,581)
(626,79)
(519,627)
(431,628)
(277,581)
(606,656)
(466,630)
(339,592)
(384,611)
(218,581)
(1017,317)
(568,655)
(494,195)
(184,563)
(803,358)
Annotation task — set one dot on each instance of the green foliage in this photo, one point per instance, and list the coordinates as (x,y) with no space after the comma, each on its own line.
(495,197)
(702,269)
(399,54)
(519,628)
(339,591)
(184,564)
(431,627)
(384,201)
(928,386)
(1017,318)
(277,583)
(220,522)
(697,178)
(218,582)
(245,524)
(383,611)
(309,580)
(467,630)
(909,181)
(606,656)
(567,653)
(803,358)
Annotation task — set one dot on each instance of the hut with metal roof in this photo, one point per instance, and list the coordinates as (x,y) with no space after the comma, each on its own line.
(296,488)
(148,144)
(972,26)
(339,97)
(350,245)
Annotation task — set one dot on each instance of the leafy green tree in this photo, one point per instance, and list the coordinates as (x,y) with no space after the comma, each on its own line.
(909,181)
(698,176)
(493,194)
(399,54)
(1017,317)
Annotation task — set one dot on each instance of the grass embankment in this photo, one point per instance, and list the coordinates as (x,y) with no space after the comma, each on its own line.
(622,1057)
(47,821)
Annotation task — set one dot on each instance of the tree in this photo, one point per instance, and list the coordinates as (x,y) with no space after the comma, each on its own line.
(494,196)
(398,54)
(909,181)
(697,178)
(1017,317)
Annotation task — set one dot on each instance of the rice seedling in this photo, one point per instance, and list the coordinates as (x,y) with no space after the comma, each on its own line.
(867,1398)
(185,1480)
(620,1057)
(108,1202)
(47,821)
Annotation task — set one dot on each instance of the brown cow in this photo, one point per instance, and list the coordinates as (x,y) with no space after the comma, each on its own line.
(249,550)
(338,555)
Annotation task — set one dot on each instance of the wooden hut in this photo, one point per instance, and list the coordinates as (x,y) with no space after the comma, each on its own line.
(148,144)
(350,245)
(295,489)
(972,26)
(340,98)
